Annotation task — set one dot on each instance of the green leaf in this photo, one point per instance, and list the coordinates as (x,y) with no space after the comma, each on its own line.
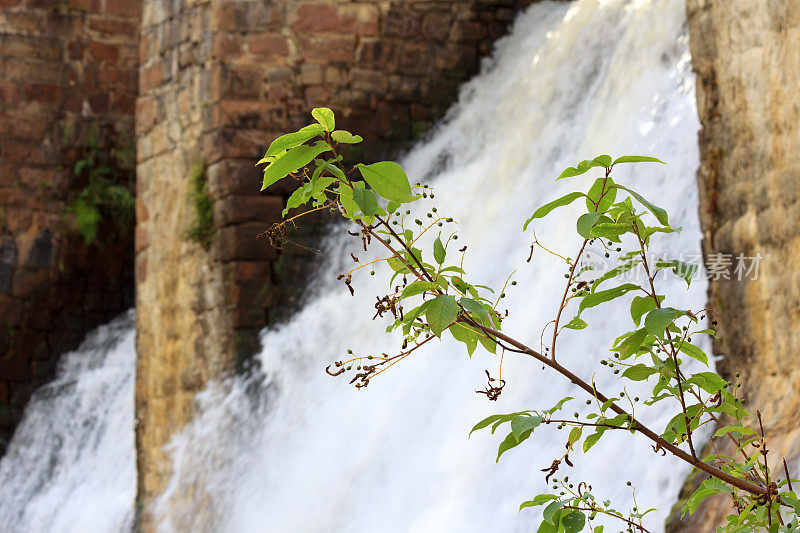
(290,140)
(521,424)
(611,230)
(292,161)
(639,372)
(366,201)
(538,500)
(680,269)
(602,160)
(585,223)
(694,352)
(325,117)
(614,272)
(596,298)
(637,159)
(392,206)
(573,521)
(576,323)
(707,488)
(418,287)
(550,512)
(495,418)
(604,187)
(710,382)
(591,440)
(462,333)
(632,344)
(438,251)
(547,527)
(345,137)
(545,209)
(475,308)
(487,343)
(441,312)
(659,213)
(389,180)
(511,441)
(641,305)
(559,405)
(657,320)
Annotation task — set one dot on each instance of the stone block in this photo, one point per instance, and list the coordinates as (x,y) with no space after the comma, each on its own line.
(103,51)
(261,208)
(348,19)
(242,243)
(268,45)
(328,49)
(234,176)
(247,16)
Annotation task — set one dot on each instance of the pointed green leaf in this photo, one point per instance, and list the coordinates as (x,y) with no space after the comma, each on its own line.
(641,305)
(441,312)
(324,116)
(657,320)
(659,213)
(631,344)
(637,159)
(389,180)
(292,161)
(438,251)
(576,323)
(418,287)
(464,334)
(366,201)
(694,352)
(602,160)
(290,140)
(596,298)
(601,187)
(639,372)
(345,137)
(521,424)
(585,223)
(545,209)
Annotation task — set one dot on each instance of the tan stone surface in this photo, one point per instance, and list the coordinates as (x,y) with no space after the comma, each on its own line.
(747,59)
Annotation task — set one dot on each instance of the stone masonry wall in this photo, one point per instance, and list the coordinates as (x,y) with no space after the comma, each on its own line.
(745,53)
(218,80)
(65,67)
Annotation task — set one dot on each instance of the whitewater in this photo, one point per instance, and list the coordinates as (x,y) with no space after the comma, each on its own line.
(290,449)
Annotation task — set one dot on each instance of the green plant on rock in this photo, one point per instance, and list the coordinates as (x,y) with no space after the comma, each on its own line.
(430,294)
(108,174)
(202,230)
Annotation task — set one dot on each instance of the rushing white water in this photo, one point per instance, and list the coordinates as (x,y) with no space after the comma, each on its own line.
(71,466)
(295,450)
(292,449)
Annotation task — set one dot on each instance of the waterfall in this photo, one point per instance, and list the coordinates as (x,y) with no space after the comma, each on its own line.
(291,449)
(71,466)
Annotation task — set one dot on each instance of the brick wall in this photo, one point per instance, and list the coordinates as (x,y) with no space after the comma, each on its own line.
(62,69)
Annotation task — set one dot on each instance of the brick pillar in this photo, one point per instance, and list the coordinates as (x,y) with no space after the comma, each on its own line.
(63,70)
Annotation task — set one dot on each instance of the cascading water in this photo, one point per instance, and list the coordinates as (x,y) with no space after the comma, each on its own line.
(295,450)
(291,449)
(71,466)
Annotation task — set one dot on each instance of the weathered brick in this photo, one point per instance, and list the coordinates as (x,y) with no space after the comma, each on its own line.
(263,208)
(348,19)
(150,77)
(123,8)
(333,49)
(113,27)
(268,46)
(241,243)
(247,15)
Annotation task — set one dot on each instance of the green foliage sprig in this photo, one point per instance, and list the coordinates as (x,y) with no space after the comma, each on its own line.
(430,294)
(108,173)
